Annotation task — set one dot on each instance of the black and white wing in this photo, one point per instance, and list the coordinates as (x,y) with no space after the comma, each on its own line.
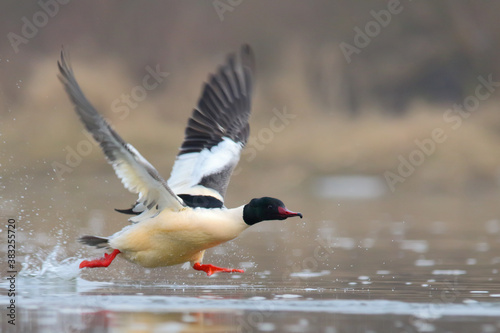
(217,130)
(135,172)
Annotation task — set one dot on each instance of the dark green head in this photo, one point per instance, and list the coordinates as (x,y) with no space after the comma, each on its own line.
(265,209)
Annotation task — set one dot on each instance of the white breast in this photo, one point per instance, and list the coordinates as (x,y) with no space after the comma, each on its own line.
(175,237)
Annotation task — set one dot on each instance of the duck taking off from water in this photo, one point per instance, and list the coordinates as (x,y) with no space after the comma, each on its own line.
(175,221)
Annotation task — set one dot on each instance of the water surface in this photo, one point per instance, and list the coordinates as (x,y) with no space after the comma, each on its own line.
(391,263)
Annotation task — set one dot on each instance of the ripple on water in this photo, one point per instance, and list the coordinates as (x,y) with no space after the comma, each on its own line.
(424,262)
(415,245)
(471,261)
(383,272)
(309,274)
(280,303)
(448,272)
(287,296)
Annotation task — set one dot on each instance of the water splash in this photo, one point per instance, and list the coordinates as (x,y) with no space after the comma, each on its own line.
(51,267)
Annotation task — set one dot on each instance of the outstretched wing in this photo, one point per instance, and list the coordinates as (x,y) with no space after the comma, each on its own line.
(217,130)
(135,172)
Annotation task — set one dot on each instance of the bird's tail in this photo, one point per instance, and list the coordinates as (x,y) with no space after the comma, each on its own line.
(98,242)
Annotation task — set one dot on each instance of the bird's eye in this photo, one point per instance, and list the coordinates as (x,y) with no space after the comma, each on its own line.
(269,207)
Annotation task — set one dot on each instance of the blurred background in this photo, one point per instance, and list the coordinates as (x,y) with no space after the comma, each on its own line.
(362,110)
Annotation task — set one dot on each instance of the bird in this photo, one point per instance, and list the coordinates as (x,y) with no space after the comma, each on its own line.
(175,221)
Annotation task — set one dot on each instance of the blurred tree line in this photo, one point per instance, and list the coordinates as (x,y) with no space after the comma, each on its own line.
(429,50)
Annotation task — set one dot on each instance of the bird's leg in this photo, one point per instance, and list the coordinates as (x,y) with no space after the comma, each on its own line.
(101,262)
(211,269)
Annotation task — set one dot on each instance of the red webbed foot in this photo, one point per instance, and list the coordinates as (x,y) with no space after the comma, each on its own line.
(101,262)
(211,269)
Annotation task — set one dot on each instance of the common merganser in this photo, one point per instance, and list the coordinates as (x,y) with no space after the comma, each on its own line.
(175,221)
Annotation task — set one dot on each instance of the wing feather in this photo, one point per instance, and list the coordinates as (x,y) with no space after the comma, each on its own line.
(217,130)
(135,172)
